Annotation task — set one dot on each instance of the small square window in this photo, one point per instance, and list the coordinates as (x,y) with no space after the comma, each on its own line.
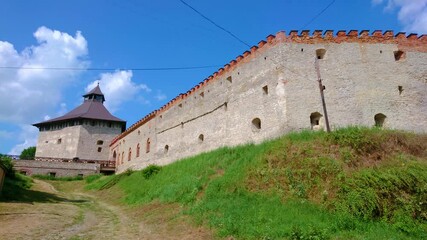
(99,149)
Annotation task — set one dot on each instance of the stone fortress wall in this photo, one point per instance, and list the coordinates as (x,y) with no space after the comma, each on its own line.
(87,141)
(377,78)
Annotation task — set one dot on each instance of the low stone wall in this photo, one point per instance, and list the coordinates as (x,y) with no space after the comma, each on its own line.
(58,169)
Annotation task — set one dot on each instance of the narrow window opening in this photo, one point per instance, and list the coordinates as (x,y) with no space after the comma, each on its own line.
(180,105)
(265,90)
(99,149)
(202,94)
(381,51)
(379,119)
(256,124)
(400,88)
(139,132)
(161,116)
(130,154)
(201,138)
(225,106)
(147,149)
(302,49)
(166,148)
(320,53)
(123,157)
(315,120)
(265,58)
(59,141)
(182,124)
(229,79)
(399,55)
(137,150)
(114,155)
(99,142)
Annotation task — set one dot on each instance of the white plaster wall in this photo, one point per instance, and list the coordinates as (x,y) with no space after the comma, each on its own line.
(361,80)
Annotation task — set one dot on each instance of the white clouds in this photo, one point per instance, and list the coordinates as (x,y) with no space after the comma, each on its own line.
(26,95)
(160,96)
(29,95)
(412,13)
(118,88)
(28,138)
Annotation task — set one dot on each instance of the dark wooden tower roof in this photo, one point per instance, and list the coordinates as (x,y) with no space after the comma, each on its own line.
(92,108)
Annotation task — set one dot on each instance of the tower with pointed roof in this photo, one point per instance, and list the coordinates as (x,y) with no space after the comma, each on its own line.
(81,135)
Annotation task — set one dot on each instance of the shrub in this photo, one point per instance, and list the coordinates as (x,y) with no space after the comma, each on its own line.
(7,163)
(150,171)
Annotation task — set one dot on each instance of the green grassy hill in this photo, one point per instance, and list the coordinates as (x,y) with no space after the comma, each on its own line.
(354,183)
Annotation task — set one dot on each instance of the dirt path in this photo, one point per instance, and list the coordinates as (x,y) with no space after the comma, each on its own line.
(69,213)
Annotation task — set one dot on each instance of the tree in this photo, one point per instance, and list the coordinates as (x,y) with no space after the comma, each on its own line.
(7,163)
(28,153)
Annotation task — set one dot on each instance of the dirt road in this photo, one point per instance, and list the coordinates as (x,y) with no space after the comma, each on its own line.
(66,212)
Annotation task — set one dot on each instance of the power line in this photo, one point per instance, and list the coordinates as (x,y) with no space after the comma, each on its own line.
(218,26)
(318,15)
(110,69)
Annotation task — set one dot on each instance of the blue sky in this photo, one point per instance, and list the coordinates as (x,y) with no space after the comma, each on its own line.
(121,35)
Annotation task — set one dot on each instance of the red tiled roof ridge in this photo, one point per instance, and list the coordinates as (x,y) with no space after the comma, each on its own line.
(411,42)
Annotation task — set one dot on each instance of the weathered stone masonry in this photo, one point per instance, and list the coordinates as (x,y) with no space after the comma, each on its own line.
(370,79)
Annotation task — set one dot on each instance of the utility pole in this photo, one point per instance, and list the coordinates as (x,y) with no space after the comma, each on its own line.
(322,96)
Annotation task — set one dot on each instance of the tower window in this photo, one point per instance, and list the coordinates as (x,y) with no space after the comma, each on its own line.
(201,138)
(147,149)
(399,55)
(99,142)
(256,124)
(400,88)
(166,148)
(320,53)
(99,149)
(137,150)
(130,154)
(315,120)
(265,90)
(379,119)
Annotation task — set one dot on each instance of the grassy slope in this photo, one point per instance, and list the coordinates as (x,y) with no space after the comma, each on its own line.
(353,183)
